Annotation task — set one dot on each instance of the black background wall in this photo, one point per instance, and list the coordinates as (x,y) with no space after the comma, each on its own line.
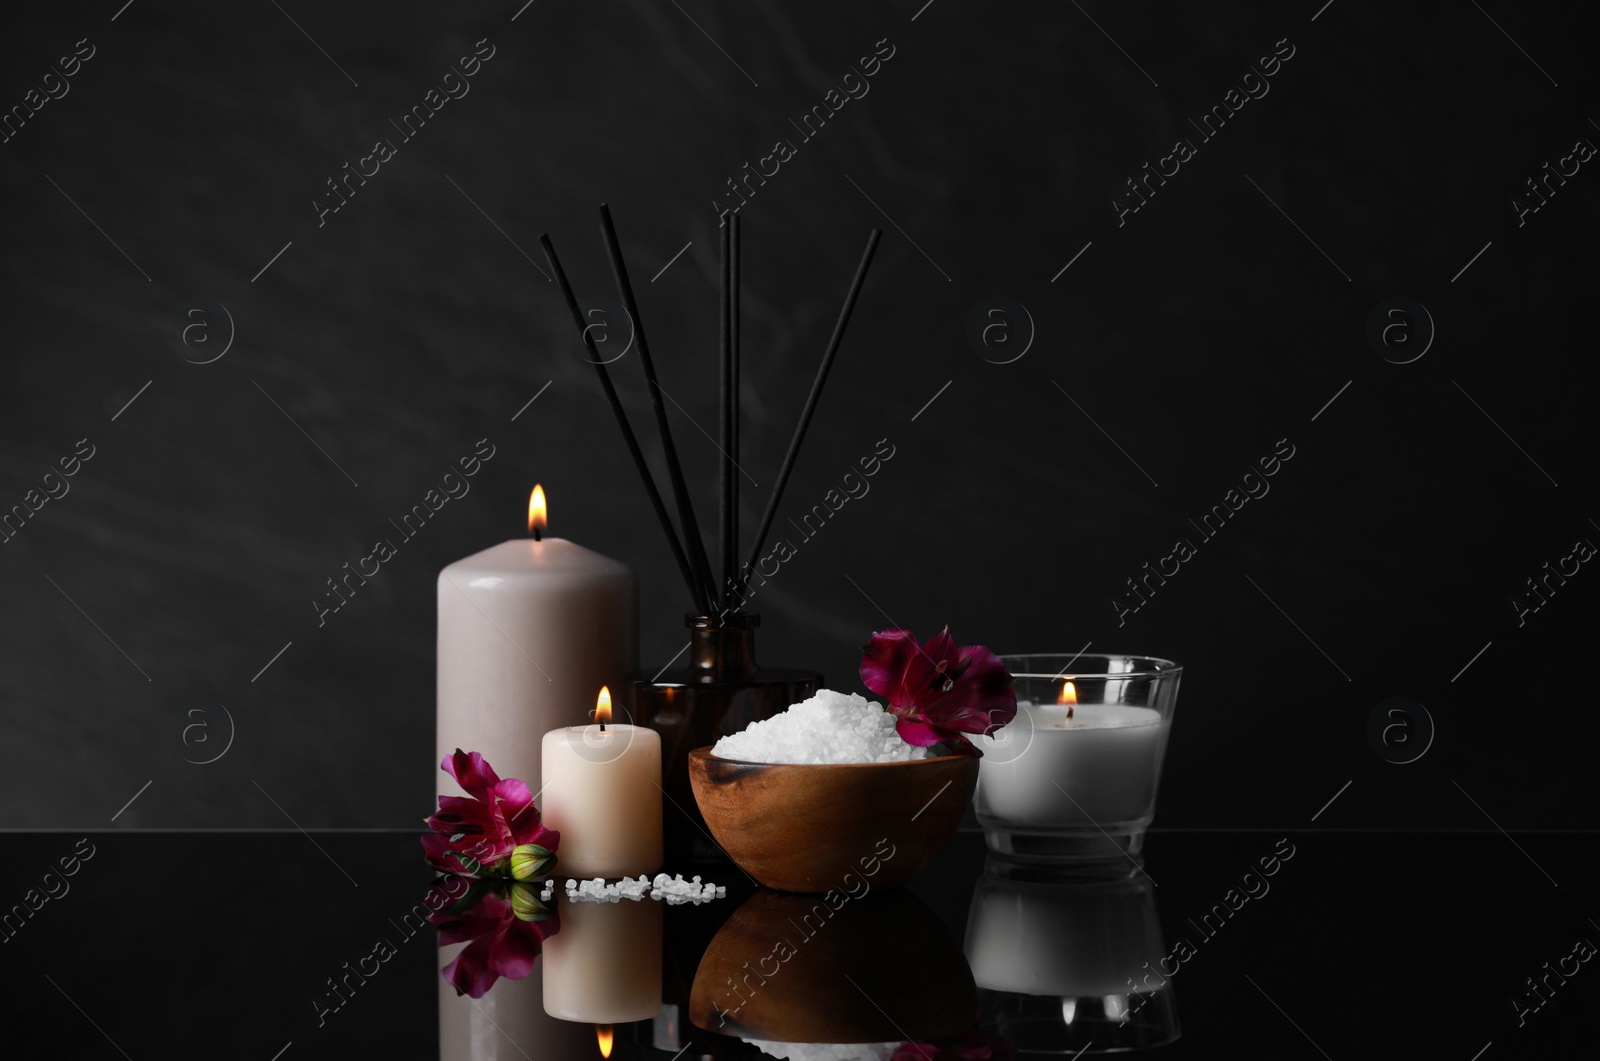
(1176,349)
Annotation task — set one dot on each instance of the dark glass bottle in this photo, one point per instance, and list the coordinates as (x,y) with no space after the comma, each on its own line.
(721,690)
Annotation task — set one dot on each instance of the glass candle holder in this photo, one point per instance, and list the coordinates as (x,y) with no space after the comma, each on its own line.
(1073,777)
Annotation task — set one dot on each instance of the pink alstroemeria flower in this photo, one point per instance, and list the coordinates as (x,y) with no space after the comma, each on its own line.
(940,690)
(478,833)
(500,942)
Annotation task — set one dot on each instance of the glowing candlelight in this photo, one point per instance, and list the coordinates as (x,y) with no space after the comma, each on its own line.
(538,513)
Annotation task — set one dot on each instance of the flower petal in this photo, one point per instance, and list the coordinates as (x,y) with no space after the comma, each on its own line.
(442,849)
(884,661)
(436,849)
(545,927)
(462,814)
(514,805)
(981,698)
(549,839)
(470,973)
(959,745)
(480,919)
(941,647)
(939,690)
(515,949)
(475,776)
(918,733)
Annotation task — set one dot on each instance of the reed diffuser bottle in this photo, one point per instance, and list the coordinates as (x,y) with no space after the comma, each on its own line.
(720,690)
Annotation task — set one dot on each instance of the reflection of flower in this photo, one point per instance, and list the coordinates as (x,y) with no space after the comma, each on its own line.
(504,926)
(493,830)
(940,690)
(976,1045)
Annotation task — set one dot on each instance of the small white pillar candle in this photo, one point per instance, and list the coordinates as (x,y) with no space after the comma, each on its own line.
(602,792)
(604,966)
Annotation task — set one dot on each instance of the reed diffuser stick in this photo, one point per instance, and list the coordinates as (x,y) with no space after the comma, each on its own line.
(811,399)
(736,268)
(727,545)
(694,544)
(695,590)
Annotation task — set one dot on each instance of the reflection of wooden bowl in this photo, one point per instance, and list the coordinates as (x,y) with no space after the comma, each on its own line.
(805,827)
(782,966)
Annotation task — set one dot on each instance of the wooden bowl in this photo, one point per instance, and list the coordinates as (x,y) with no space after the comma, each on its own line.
(822,827)
(870,969)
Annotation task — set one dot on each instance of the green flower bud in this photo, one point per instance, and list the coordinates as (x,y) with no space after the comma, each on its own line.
(526,905)
(530,861)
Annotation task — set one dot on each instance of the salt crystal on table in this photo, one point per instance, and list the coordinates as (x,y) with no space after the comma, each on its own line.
(671,890)
(831,727)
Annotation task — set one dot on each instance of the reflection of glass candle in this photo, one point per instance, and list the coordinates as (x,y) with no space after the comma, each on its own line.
(604,966)
(1068,939)
(1099,765)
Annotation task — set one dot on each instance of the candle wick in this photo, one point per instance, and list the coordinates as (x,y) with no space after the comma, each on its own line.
(1069,711)
(538,534)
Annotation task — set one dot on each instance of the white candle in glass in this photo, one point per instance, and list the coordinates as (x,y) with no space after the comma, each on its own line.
(1073,765)
(528,630)
(602,793)
(604,966)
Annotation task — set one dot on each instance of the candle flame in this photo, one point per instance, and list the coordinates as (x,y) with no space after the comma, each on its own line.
(602,706)
(538,513)
(604,1036)
(1068,694)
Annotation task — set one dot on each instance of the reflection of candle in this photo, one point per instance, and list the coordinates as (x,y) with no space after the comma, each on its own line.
(1073,765)
(528,630)
(602,793)
(1073,940)
(604,966)
(507,1023)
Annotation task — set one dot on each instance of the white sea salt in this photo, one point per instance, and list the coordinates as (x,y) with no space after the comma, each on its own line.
(676,890)
(831,727)
(672,890)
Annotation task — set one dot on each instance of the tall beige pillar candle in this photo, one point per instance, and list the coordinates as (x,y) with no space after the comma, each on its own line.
(528,630)
(604,966)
